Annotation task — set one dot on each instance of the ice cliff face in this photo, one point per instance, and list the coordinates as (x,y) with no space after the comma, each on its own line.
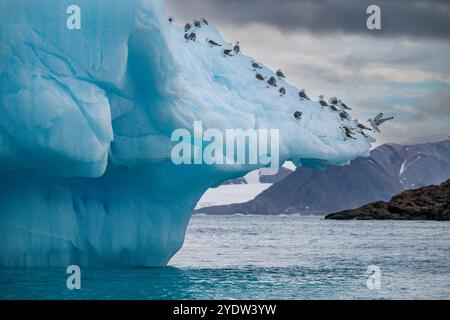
(86,118)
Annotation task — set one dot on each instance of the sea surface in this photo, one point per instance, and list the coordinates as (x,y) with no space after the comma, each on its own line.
(270,257)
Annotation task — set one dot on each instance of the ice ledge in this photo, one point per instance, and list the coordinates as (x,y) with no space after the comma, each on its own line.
(85,116)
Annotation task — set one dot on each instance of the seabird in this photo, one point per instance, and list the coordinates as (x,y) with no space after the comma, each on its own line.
(333,108)
(212,43)
(187,27)
(282,91)
(186,36)
(237,48)
(260,77)
(272,81)
(193,36)
(205,21)
(280,74)
(348,132)
(343,105)
(298,115)
(378,120)
(227,52)
(344,115)
(303,95)
(333,101)
(197,24)
(322,102)
(255,65)
(361,126)
(171,19)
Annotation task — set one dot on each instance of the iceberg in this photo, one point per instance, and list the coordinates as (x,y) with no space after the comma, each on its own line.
(86,118)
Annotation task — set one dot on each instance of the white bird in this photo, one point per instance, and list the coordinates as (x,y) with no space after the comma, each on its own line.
(212,43)
(298,115)
(374,125)
(303,95)
(260,77)
(378,120)
(322,101)
(333,101)
(256,65)
(237,48)
(361,126)
(348,132)
(343,105)
(227,52)
(280,74)
(272,81)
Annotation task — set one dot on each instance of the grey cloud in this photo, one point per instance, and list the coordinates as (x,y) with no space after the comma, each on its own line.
(311,70)
(409,18)
(435,105)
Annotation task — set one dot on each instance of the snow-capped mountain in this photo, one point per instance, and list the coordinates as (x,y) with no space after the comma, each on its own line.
(389,170)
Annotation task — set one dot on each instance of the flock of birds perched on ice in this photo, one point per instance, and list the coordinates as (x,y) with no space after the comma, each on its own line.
(333,104)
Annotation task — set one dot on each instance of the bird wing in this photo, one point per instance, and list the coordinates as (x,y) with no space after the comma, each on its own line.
(378,122)
(378,117)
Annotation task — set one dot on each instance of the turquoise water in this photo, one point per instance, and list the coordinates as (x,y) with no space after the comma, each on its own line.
(257,257)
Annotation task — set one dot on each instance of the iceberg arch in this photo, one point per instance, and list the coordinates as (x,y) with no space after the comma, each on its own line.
(86,118)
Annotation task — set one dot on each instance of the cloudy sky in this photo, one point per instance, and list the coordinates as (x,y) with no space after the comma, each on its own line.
(325,47)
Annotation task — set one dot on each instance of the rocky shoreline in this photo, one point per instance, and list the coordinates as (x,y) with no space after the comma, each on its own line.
(427,203)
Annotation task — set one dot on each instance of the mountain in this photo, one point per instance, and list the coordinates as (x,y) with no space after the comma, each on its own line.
(425,139)
(389,170)
(427,203)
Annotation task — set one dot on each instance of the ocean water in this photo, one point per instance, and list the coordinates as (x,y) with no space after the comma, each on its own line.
(270,257)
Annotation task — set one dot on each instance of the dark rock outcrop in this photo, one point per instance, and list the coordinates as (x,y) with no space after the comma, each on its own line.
(427,203)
